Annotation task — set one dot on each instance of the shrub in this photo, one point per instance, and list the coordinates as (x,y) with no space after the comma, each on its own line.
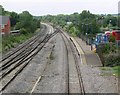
(112,38)
(107,48)
(112,59)
(23,31)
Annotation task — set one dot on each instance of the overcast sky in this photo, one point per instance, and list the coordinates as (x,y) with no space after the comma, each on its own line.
(53,7)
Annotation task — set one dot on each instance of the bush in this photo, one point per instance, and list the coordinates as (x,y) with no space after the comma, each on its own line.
(107,48)
(112,38)
(12,41)
(23,31)
(103,48)
(112,59)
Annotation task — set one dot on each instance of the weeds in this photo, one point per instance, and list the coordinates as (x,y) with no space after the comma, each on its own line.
(12,41)
(108,71)
(51,56)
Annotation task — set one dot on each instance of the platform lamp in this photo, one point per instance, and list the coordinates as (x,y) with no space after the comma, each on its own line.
(82,31)
(86,32)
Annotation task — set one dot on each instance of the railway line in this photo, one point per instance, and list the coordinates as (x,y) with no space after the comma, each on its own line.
(50,62)
(21,48)
(69,45)
(16,61)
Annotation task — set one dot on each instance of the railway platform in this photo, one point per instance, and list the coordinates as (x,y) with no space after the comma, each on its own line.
(92,59)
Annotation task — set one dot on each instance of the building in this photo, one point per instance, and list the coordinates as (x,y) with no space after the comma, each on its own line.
(5,24)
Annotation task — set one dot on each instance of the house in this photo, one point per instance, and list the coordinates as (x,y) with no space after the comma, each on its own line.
(5,24)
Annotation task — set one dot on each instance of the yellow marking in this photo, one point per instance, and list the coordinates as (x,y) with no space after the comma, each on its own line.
(80,51)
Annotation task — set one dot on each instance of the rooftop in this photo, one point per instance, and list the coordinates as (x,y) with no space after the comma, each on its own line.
(4,20)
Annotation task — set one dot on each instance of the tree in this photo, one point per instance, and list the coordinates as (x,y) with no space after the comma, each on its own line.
(14,18)
(83,22)
(109,19)
(27,22)
(87,23)
(2,11)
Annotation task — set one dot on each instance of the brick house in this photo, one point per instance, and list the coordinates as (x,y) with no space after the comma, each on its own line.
(5,24)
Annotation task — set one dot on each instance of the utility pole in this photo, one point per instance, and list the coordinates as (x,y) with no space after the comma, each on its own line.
(82,31)
(91,38)
(86,32)
(102,21)
(110,25)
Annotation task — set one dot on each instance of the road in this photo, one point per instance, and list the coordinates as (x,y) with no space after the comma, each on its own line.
(50,62)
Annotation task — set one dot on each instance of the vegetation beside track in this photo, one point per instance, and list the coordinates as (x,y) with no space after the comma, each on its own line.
(109,54)
(25,22)
(12,41)
(108,71)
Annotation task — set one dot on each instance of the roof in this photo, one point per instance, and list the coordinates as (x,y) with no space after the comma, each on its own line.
(4,19)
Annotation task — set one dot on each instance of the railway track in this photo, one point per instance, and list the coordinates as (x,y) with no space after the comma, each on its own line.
(22,47)
(76,63)
(20,54)
(12,66)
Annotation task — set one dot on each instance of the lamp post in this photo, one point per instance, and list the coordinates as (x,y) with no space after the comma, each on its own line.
(86,32)
(110,25)
(102,21)
(82,31)
(90,33)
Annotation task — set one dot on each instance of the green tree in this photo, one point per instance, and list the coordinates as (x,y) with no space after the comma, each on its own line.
(14,18)
(2,11)
(27,22)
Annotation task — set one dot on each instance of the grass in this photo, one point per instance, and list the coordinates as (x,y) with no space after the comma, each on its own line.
(105,68)
(116,70)
(109,71)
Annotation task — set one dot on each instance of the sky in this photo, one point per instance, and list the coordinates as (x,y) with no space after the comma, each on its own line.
(54,7)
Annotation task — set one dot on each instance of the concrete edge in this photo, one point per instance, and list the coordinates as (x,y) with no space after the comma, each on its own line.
(80,51)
